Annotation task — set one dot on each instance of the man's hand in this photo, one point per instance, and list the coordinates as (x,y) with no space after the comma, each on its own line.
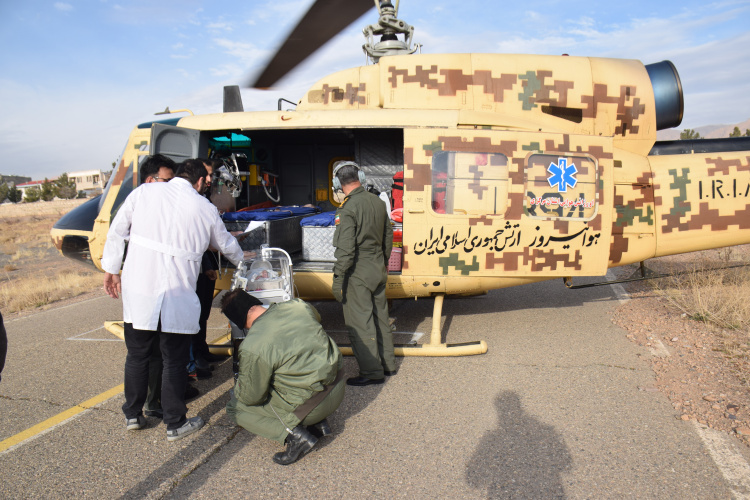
(249,254)
(211,274)
(112,285)
(338,288)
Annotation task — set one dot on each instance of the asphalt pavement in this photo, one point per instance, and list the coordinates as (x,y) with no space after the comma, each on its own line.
(559,407)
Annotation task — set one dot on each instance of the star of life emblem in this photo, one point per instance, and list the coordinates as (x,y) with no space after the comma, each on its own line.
(562,175)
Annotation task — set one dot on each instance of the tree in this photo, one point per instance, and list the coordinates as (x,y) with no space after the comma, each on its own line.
(689,134)
(47,192)
(736,132)
(65,187)
(81,194)
(32,194)
(14,194)
(3,191)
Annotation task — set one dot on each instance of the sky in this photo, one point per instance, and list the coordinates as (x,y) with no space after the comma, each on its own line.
(77,76)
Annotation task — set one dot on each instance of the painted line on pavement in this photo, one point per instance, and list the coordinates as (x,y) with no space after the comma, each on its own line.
(78,337)
(619,290)
(51,423)
(658,349)
(730,462)
(57,309)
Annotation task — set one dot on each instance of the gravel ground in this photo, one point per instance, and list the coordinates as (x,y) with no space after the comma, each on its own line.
(700,367)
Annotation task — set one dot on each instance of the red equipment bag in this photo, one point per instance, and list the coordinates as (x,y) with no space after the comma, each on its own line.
(397,191)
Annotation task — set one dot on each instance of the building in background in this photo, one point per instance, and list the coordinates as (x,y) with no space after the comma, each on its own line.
(91,182)
(13,179)
(23,187)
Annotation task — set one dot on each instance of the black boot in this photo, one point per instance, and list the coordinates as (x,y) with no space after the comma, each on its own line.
(320,429)
(298,444)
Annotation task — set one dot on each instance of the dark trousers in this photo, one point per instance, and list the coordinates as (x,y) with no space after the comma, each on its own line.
(366,318)
(175,351)
(155,374)
(3,343)
(205,291)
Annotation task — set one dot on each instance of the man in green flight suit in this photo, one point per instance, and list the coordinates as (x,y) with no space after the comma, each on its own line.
(289,373)
(363,239)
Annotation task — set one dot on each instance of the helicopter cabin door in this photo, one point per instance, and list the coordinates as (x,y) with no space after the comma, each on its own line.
(177,143)
(491,203)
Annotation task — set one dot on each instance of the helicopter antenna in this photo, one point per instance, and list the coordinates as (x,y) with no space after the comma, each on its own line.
(388,27)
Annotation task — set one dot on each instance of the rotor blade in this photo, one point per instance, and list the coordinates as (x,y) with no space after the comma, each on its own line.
(324,20)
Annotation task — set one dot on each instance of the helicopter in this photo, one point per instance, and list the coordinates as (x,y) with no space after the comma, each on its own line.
(516,168)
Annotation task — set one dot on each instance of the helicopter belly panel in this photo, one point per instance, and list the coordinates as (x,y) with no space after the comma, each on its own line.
(489,203)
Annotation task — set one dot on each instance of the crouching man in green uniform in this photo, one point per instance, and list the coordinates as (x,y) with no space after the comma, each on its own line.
(363,239)
(289,373)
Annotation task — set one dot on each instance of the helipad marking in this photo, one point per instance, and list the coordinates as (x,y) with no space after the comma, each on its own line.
(56,309)
(730,462)
(59,419)
(78,337)
(619,290)
(658,349)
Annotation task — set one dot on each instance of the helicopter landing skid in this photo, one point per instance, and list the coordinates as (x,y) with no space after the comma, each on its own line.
(435,348)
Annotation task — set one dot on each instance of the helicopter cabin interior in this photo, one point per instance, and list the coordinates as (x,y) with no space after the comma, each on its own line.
(286,172)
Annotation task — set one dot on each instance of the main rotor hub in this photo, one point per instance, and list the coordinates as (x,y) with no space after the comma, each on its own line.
(388,27)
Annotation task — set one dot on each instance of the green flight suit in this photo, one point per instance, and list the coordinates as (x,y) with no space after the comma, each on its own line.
(284,360)
(363,241)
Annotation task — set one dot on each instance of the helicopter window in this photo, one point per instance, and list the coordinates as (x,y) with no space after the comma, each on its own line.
(469,183)
(125,189)
(561,186)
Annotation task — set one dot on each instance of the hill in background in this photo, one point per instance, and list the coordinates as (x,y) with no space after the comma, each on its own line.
(706,132)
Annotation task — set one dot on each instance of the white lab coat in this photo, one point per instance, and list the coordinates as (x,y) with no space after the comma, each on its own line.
(168,226)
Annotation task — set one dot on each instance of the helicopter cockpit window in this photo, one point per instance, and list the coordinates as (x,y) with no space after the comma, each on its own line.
(561,186)
(125,189)
(469,183)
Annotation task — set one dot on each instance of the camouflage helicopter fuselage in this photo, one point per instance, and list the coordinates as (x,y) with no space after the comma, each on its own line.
(517,168)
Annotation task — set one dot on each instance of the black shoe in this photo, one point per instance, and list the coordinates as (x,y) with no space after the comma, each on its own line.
(298,444)
(360,381)
(154,413)
(320,429)
(390,373)
(191,393)
(214,358)
(202,364)
(200,374)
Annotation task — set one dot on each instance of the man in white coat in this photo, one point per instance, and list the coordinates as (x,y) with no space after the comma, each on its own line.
(168,226)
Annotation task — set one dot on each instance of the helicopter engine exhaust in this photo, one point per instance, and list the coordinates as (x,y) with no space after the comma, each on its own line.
(232,99)
(667,94)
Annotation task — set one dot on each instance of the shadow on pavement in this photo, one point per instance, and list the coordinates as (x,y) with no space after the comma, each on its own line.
(204,440)
(522,458)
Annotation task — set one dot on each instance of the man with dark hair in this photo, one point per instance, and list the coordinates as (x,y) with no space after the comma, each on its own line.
(363,239)
(156,168)
(289,373)
(193,171)
(168,226)
(205,289)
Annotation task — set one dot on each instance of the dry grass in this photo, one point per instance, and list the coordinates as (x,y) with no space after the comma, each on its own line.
(705,292)
(34,273)
(56,208)
(719,297)
(32,292)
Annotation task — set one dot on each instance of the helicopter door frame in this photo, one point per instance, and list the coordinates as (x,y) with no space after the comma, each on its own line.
(177,143)
(498,214)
